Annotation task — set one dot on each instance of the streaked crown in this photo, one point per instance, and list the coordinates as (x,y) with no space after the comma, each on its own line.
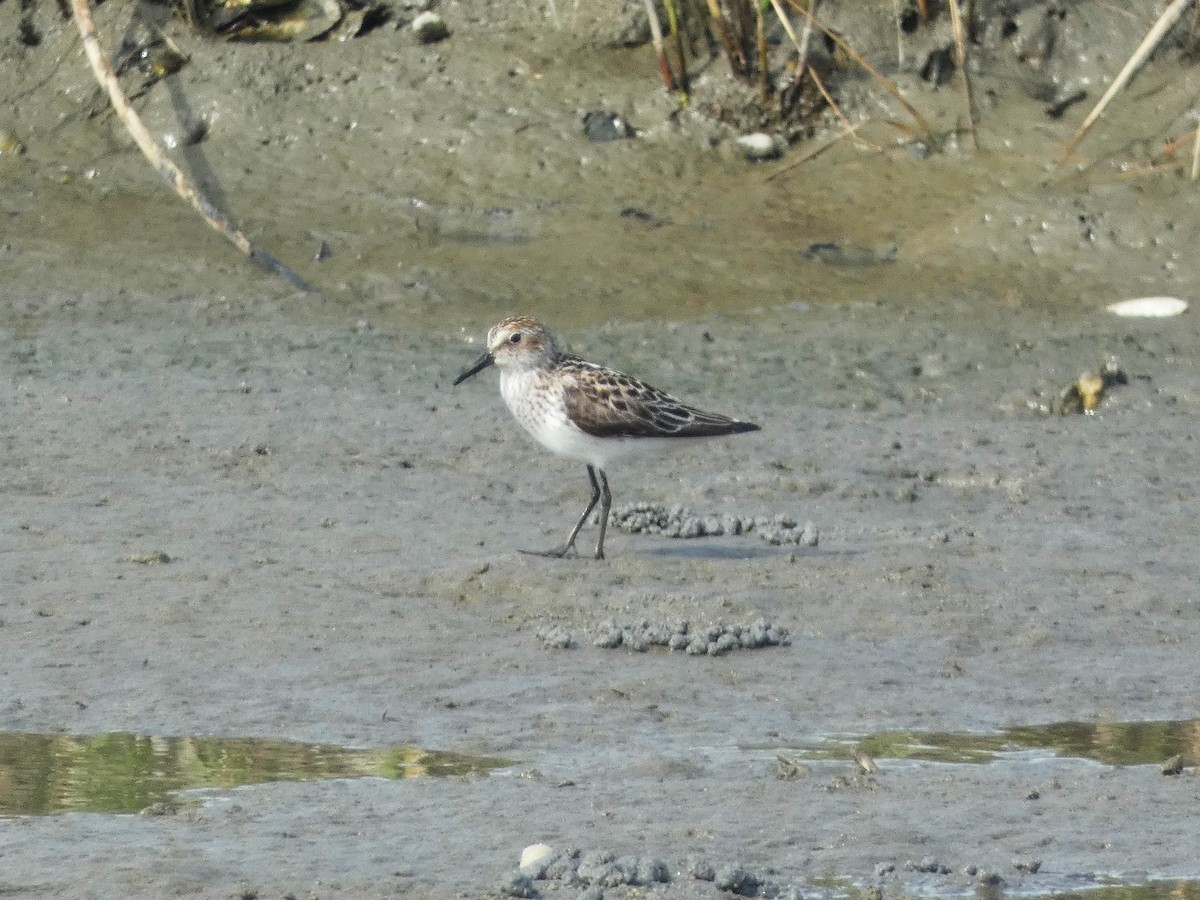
(521,342)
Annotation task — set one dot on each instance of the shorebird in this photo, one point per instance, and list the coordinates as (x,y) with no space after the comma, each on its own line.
(587,412)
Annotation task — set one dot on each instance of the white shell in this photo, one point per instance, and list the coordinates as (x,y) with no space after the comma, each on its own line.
(534,854)
(760,145)
(430,28)
(1149,307)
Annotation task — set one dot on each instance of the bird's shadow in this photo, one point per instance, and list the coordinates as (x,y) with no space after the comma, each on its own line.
(715,550)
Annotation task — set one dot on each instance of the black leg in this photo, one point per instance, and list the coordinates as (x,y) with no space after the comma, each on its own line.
(570,544)
(605,506)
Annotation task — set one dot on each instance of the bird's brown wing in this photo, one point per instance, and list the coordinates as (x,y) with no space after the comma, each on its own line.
(606,403)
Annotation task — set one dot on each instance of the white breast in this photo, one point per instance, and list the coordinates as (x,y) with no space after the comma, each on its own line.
(536,401)
(535,398)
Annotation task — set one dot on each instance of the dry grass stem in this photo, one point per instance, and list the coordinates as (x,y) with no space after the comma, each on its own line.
(805,39)
(1196,156)
(1169,17)
(737,65)
(660,51)
(837,111)
(887,83)
(1145,170)
(896,13)
(170,172)
(960,60)
(677,43)
(818,150)
(786,22)
(764,66)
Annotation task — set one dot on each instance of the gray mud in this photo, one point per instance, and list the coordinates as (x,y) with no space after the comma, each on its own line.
(340,528)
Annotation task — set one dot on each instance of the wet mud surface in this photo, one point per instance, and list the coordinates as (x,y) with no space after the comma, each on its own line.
(337,574)
(233,511)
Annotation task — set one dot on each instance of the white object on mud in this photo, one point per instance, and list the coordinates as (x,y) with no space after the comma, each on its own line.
(430,28)
(534,854)
(1149,307)
(760,145)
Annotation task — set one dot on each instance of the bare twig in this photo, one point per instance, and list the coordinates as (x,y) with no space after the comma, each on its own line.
(1169,17)
(805,38)
(960,60)
(1196,156)
(732,52)
(888,85)
(786,22)
(818,150)
(169,172)
(837,110)
(677,41)
(764,66)
(656,36)
(896,14)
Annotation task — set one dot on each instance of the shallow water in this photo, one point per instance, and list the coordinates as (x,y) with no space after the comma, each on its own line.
(1111,743)
(1154,889)
(43,774)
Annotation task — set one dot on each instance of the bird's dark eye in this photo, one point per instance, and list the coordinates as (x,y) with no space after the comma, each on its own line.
(515,339)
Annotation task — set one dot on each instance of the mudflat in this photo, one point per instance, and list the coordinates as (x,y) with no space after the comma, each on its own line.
(233,511)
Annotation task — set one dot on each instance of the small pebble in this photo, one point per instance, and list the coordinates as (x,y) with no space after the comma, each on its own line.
(736,880)
(600,126)
(1173,766)
(153,558)
(759,146)
(595,866)
(555,637)
(10,143)
(516,884)
(536,858)
(430,28)
(701,869)
(608,637)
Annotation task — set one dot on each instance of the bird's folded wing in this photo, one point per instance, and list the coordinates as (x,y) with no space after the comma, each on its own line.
(614,405)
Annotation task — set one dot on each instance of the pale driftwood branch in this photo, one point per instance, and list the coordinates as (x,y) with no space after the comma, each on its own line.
(1170,15)
(1196,154)
(960,60)
(664,67)
(170,173)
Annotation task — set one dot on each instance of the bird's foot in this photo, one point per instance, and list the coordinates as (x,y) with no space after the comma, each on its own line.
(556,553)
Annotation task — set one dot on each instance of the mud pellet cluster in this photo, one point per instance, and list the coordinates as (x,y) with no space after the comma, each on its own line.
(712,640)
(555,637)
(681,522)
(597,870)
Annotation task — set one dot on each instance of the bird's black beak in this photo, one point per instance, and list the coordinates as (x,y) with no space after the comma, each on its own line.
(480,364)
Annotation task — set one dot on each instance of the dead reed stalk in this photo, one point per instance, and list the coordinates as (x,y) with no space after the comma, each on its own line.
(169,172)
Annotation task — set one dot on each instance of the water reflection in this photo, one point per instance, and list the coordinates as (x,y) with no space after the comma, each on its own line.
(122,773)
(1151,890)
(1112,743)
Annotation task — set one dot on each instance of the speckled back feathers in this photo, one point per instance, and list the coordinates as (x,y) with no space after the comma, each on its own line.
(607,403)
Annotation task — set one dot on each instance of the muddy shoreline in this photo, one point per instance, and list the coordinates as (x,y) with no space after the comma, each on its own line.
(339,528)
(976,561)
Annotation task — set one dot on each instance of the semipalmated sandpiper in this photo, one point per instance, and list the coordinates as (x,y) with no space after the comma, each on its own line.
(587,412)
